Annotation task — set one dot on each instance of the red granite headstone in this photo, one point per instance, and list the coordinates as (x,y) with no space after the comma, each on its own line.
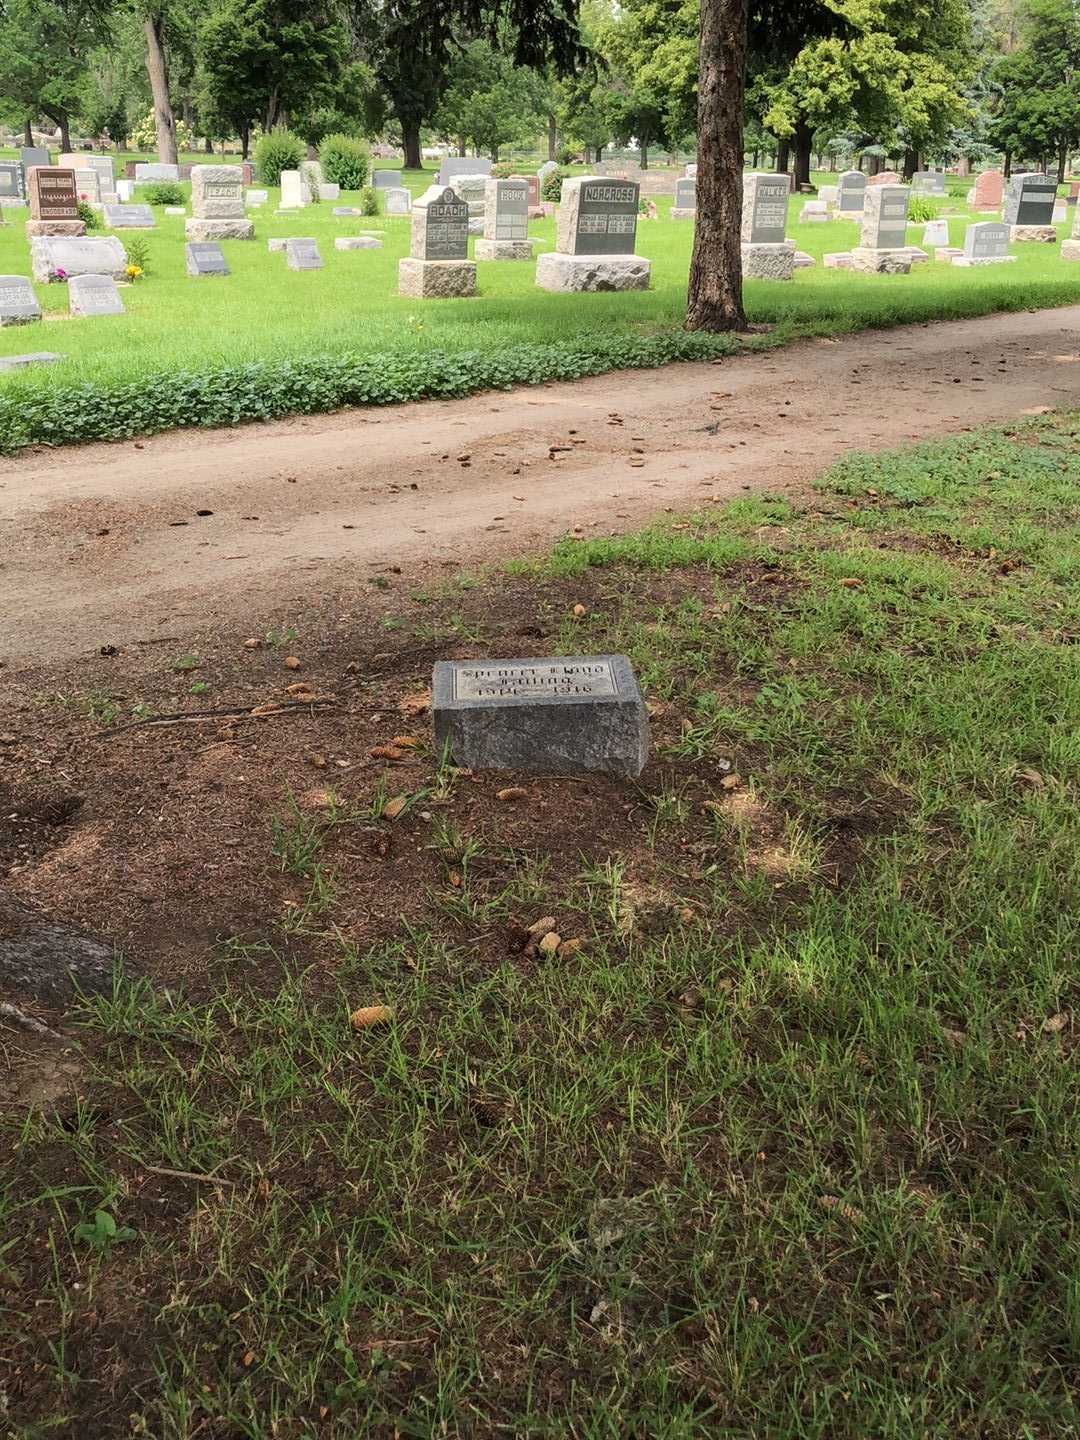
(52,193)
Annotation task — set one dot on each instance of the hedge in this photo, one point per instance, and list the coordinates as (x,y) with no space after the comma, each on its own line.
(267,390)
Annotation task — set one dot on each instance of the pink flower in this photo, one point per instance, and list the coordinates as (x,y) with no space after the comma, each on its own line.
(61,274)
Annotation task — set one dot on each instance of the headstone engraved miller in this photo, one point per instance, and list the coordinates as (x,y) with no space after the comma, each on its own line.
(985,243)
(204,257)
(766,253)
(94,295)
(851,193)
(438,267)
(217,204)
(18,303)
(883,234)
(594,238)
(1029,208)
(553,716)
(506,221)
(685,206)
(54,205)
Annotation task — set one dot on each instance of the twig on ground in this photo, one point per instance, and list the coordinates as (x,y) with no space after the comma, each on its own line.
(28,1022)
(189,1175)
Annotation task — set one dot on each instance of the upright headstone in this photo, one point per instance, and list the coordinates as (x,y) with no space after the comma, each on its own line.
(989,192)
(145,174)
(57,257)
(11,183)
(883,177)
(386,179)
(204,257)
(1070,249)
(883,234)
(766,252)
(594,239)
(685,206)
(455,165)
(217,204)
(128,217)
(935,233)
(563,716)
(813,212)
(545,170)
(31,156)
(18,303)
(125,191)
(1029,208)
(294,192)
(506,221)
(691,171)
(254,198)
(397,201)
(928,182)
(438,266)
(851,193)
(94,295)
(54,205)
(302,253)
(533,183)
(102,166)
(985,243)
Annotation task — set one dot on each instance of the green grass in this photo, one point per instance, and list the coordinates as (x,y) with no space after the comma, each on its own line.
(265,312)
(805,1166)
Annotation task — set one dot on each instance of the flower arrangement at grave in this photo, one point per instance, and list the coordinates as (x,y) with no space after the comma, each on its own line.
(134,272)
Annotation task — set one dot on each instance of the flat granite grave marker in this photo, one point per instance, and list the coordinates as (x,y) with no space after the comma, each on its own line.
(357,242)
(217,205)
(685,206)
(386,179)
(883,235)
(18,303)
(94,295)
(438,266)
(851,193)
(594,241)
(146,174)
(1029,208)
(204,257)
(11,183)
(506,221)
(302,254)
(553,716)
(36,357)
(56,258)
(985,243)
(766,253)
(54,205)
(128,217)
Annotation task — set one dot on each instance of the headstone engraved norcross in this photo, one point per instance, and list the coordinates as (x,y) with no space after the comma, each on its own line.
(553,716)
(1029,207)
(594,240)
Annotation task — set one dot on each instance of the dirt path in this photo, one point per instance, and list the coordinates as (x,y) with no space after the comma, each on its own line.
(106,543)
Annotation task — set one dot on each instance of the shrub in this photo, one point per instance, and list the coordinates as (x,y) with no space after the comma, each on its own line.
(921,208)
(551,189)
(162,192)
(345,161)
(138,254)
(566,155)
(275,151)
(144,134)
(369,201)
(88,215)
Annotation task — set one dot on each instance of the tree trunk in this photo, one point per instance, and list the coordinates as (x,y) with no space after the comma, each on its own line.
(494,154)
(245,141)
(783,157)
(714,300)
(1063,157)
(60,120)
(158,72)
(803,137)
(553,137)
(644,154)
(1006,168)
(911,164)
(410,145)
(461,146)
(755,158)
(28,133)
(208,145)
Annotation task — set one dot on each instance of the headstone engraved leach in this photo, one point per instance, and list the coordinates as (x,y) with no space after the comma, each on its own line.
(204,257)
(18,303)
(506,221)
(1029,208)
(594,240)
(883,235)
(302,254)
(128,217)
(989,191)
(851,193)
(438,267)
(11,183)
(58,258)
(985,243)
(766,254)
(386,179)
(397,201)
(94,295)
(583,713)
(685,206)
(217,204)
(54,205)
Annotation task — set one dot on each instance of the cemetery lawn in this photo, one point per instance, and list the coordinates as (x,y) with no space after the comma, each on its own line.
(786,1146)
(263,313)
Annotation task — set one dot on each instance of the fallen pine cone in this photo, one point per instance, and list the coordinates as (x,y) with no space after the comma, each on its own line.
(568,948)
(549,945)
(386,752)
(291,662)
(512,792)
(369,1015)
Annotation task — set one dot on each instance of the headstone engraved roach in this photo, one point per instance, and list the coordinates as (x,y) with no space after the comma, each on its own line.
(548,716)
(438,266)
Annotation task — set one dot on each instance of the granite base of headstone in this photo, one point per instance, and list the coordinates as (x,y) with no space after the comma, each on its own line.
(803,261)
(436,279)
(545,716)
(916,254)
(18,303)
(880,262)
(90,295)
(71,228)
(574,273)
(302,253)
(838,260)
(1033,234)
(504,249)
(506,221)
(769,262)
(357,242)
(56,258)
(595,236)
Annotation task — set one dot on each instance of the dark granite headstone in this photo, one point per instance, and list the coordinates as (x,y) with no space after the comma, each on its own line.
(204,257)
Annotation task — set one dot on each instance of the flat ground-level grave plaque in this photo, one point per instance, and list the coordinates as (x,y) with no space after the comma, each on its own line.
(205,257)
(552,716)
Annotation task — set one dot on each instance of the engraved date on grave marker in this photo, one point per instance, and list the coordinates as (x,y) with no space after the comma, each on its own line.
(547,677)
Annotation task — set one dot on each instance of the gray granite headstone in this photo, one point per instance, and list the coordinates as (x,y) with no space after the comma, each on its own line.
(12,191)
(440,226)
(302,254)
(554,716)
(884,221)
(37,357)
(765,208)
(850,192)
(128,217)
(205,257)
(685,193)
(986,240)
(454,165)
(31,155)
(94,295)
(928,182)
(508,217)
(398,201)
(597,217)
(146,173)
(18,303)
(1029,200)
(386,179)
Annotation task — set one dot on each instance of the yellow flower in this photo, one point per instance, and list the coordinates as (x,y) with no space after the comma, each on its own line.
(134,271)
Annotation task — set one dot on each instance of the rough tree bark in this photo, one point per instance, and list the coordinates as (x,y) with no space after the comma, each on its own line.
(61,120)
(783,156)
(157,70)
(803,139)
(715,301)
(644,154)
(28,133)
(553,137)
(410,145)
